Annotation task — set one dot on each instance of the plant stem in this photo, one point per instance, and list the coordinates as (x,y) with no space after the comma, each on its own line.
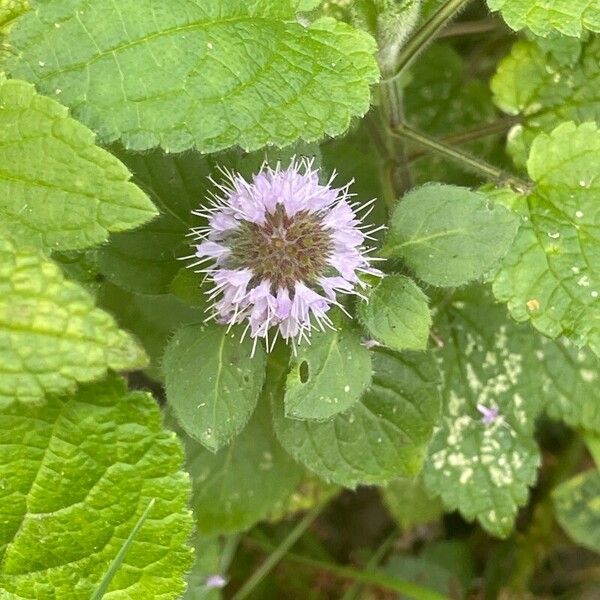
(277,554)
(426,33)
(476,133)
(470,28)
(380,580)
(353,593)
(468,161)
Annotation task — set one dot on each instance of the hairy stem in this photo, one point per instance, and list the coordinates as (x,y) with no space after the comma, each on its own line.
(472,163)
(426,33)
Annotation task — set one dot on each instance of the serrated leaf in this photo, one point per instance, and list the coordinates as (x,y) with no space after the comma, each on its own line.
(151,318)
(51,334)
(212,381)
(543,17)
(59,190)
(577,508)
(113,458)
(551,276)
(382,437)
(327,376)
(209,74)
(397,314)
(410,504)
(449,235)
(484,469)
(240,484)
(547,82)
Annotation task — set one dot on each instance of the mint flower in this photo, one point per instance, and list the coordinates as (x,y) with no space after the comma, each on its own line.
(281,247)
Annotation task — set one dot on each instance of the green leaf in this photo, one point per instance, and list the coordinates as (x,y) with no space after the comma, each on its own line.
(551,276)
(543,17)
(577,508)
(206,564)
(410,504)
(151,318)
(547,82)
(209,74)
(113,458)
(327,376)
(242,483)
(443,98)
(573,391)
(51,334)
(212,382)
(449,235)
(397,314)
(58,189)
(484,470)
(382,437)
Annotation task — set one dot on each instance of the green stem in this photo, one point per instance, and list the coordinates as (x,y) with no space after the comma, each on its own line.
(278,553)
(116,563)
(380,580)
(426,33)
(468,161)
(354,592)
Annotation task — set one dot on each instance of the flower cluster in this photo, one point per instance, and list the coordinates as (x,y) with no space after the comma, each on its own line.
(281,248)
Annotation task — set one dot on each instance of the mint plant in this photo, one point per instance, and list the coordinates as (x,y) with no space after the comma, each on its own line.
(299,298)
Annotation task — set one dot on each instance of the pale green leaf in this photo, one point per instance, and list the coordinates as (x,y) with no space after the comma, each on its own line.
(51,334)
(551,276)
(208,74)
(327,376)
(484,469)
(57,188)
(543,17)
(410,504)
(396,314)
(546,83)
(577,507)
(78,472)
(449,235)
(212,381)
(382,437)
(243,482)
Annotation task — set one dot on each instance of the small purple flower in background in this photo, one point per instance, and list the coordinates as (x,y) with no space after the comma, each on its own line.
(489,414)
(282,247)
(215,582)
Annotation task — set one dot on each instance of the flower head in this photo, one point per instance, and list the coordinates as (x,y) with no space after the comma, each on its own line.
(281,248)
(488,414)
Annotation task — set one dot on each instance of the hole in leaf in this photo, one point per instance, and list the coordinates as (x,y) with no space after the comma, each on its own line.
(303,371)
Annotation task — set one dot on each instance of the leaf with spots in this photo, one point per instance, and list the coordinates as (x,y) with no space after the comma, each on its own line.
(382,437)
(551,275)
(544,17)
(449,235)
(572,377)
(483,458)
(547,82)
(113,458)
(212,381)
(577,508)
(208,74)
(51,334)
(396,314)
(242,483)
(327,376)
(58,190)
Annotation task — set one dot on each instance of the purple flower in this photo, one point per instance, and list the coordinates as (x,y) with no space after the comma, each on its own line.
(216,582)
(281,248)
(489,415)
